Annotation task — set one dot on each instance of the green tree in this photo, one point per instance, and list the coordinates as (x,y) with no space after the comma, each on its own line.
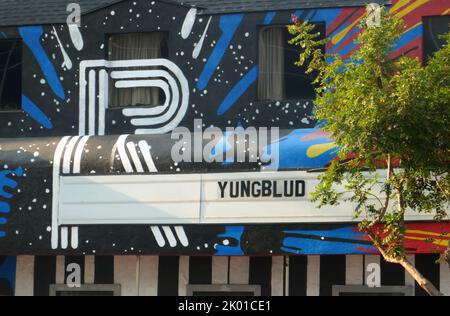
(391,121)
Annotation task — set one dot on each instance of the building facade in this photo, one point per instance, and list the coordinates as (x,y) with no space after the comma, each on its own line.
(95,101)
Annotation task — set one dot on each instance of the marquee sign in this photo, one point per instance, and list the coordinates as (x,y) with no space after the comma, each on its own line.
(124,194)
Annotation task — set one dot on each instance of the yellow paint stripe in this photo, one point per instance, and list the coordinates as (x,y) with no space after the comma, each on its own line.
(317,150)
(339,36)
(422,232)
(446,12)
(410,8)
(398,5)
(441,243)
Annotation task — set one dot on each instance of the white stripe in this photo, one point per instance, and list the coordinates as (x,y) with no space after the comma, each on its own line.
(123,154)
(74,237)
(183,275)
(134,155)
(219,270)
(137,74)
(133,74)
(67,62)
(148,275)
(147,111)
(78,153)
(60,269)
(146,152)
(188,23)
(89,269)
(75,36)
(55,198)
(165,117)
(102,100)
(171,99)
(92,101)
(24,276)
(82,101)
(354,270)
(125,274)
(158,236)
(125,84)
(277,281)
(199,46)
(68,154)
(239,270)
(313,276)
(170,237)
(64,237)
(181,234)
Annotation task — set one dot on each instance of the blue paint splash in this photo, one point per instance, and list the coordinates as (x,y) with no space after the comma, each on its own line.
(31,36)
(327,15)
(238,90)
(231,232)
(408,37)
(306,246)
(228,25)
(301,246)
(4,208)
(269,17)
(224,145)
(345,232)
(7,182)
(292,151)
(33,110)
(8,272)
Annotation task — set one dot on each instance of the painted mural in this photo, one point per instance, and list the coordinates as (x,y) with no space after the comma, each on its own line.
(31,186)
(211,71)
(210,74)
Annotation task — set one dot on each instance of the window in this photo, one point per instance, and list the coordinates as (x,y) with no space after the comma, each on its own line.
(434,26)
(359,290)
(85,290)
(279,77)
(224,290)
(136,46)
(10,74)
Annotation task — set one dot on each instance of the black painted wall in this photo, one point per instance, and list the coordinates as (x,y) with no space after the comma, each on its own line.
(239,59)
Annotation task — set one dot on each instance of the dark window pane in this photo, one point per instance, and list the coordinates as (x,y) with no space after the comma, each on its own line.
(434,26)
(279,77)
(298,83)
(10,74)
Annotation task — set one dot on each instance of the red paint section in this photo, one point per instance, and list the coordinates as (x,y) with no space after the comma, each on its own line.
(409,49)
(432,8)
(422,238)
(345,13)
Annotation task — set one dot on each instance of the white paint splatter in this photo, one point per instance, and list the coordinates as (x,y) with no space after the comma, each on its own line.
(188,23)
(199,46)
